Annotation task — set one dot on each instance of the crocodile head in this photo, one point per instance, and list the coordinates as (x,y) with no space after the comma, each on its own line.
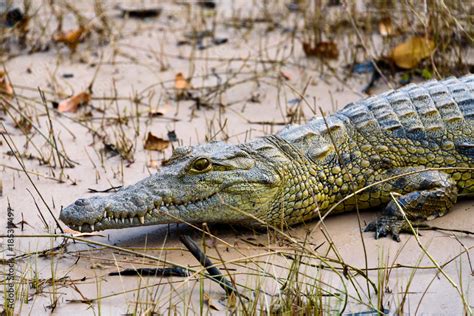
(214,182)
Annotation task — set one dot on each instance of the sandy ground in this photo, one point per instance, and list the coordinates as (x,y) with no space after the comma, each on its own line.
(132,65)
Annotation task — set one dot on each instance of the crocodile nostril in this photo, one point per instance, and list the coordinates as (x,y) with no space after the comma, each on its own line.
(80,202)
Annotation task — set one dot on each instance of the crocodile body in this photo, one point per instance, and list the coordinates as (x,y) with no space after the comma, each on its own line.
(417,141)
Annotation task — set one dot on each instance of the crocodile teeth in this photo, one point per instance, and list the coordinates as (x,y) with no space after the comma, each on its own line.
(79,228)
(142,219)
(116,219)
(92,227)
(131,220)
(123,220)
(105,214)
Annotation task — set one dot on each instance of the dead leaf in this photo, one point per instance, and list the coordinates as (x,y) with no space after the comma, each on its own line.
(231,301)
(70,38)
(73,103)
(408,54)
(285,76)
(155,143)
(386,27)
(212,304)
(24,124)
(180,83)
(326,50)
(5,87)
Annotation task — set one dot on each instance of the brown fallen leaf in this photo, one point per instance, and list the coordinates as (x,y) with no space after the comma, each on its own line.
(180,83)
(5,87)
(212,304)
(155,143)
(24,124)
(326,50)
(285,76)
(73,103)
(231,301)
(70,38)
(386,27)
(408,54)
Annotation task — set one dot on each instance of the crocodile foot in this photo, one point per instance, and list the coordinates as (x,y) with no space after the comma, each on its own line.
(419,196)
(387,224)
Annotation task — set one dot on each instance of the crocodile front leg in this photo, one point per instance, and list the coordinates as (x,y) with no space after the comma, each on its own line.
(422,194)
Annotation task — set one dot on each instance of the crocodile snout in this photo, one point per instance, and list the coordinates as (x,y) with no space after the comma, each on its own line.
(83,211)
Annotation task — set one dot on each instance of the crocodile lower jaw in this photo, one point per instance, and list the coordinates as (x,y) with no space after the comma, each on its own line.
(116,220)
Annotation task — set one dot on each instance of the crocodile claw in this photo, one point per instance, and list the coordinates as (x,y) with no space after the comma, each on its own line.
(385,225)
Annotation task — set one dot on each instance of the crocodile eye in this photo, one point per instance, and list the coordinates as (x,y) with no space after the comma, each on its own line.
(201,164)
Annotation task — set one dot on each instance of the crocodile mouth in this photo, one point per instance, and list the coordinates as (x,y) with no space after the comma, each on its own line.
(113,219)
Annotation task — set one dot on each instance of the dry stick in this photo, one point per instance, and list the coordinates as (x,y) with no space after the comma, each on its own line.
(277,252)
(272,250)
(34,102)
(130,251)
(28,138)
(467,254)
(51,133)
(104,245)
(32,172)
(38,209)
(362,42)
(435,277)
(214,272)
(440,269)
(48,140)
(239,296)
(29,178)
(429,227)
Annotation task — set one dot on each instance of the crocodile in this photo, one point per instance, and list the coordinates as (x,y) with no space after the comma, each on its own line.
(408,152)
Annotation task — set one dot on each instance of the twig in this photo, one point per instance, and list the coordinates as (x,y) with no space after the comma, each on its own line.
(114,189)
(31,181)
(438,267)
(162,272)
(213,271)
(429,227)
